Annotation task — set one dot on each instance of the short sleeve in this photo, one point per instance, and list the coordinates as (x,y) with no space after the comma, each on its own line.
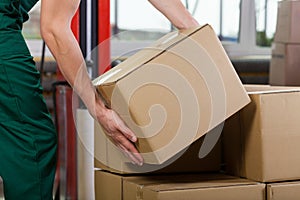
(25,7)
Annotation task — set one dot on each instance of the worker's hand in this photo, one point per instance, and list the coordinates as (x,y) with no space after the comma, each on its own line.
(119,133)
(176,12)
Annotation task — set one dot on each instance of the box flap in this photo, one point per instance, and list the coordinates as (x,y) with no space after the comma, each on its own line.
(181,185)
(267,89)
(143,56)
(185,182)
(283,190)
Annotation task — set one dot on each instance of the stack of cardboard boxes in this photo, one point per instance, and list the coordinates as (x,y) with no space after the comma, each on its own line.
(285,62)
(260,151)
(174,95)
(199,89)
(166,187)
(262,141)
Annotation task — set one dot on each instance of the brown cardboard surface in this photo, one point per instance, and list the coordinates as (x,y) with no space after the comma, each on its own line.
(268,89)
(183,186)
(262,141)
(194,187)
(174,92)
(283,191)
(287,27)
(111,159)
(285,65)
(104,182)
(109,186)
(235,192)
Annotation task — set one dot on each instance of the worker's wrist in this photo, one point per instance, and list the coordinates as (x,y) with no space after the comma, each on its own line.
(97,108)
(188,23)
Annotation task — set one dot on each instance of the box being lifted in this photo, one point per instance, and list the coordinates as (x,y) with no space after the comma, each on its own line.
(173,92)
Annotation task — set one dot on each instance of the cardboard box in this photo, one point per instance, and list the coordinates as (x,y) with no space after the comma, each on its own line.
(193,188)
(285,65)
(185,186)
(288,27)
(109,158)
(283,191)
(262,141)
(172,93)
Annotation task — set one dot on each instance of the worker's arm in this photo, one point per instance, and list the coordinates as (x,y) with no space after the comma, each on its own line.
(175,11)
(56,16)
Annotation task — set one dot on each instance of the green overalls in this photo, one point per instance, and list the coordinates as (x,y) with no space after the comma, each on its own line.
(28,139)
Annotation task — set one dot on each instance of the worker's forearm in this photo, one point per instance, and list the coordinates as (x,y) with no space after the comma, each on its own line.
(175,11)
(67,53)
(56,16)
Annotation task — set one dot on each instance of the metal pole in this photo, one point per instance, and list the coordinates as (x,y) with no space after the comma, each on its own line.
(266,15)
(221,19)
(1,189)
(116,25)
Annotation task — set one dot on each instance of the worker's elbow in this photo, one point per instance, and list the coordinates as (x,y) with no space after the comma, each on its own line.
(48,31)
(52,30)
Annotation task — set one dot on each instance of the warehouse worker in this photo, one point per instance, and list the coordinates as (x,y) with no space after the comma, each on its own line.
(28,141)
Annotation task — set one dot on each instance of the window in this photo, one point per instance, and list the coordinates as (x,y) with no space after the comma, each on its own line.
(230,20)
(140,16)
(137,15)
(222,15)
(136,23)
(266,16)
(246,27)
(247,45)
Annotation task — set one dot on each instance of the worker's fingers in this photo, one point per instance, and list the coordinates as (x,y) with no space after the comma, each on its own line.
(128,148)
(131,156)
(123,128)
(121,135)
